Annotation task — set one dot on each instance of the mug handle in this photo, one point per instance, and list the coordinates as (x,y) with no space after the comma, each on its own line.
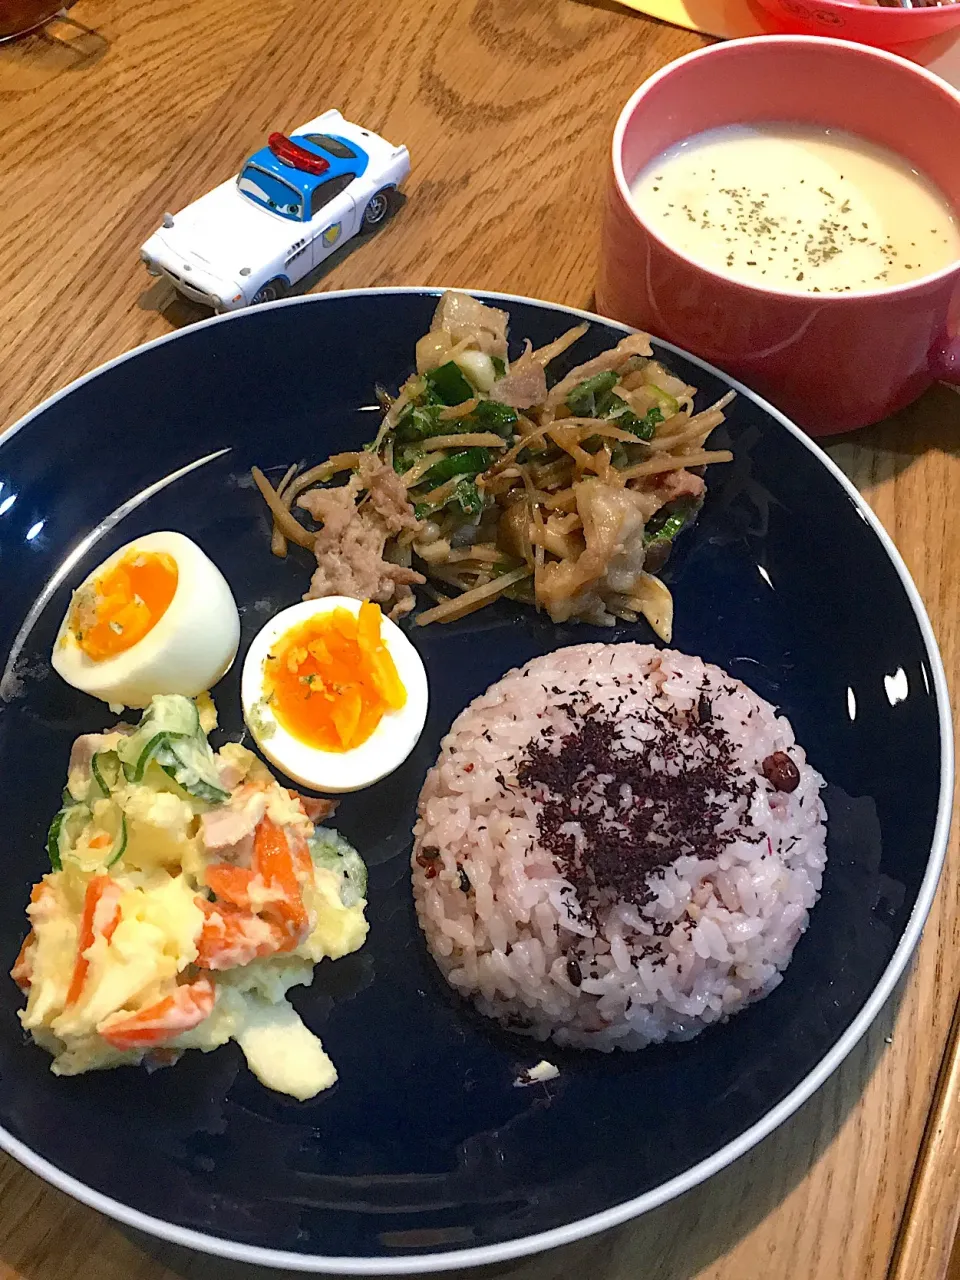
(945,361)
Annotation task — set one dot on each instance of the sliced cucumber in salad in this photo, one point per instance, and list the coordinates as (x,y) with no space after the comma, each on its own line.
(167,718)
(64,832)
(68,826)
(106,771)
(170,734)
(191,765)
(120,844)
(329,849)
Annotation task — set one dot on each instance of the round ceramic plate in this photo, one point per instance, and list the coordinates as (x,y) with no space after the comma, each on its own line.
(425,1155)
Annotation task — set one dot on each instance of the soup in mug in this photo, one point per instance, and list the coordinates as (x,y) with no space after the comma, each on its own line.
(799,208)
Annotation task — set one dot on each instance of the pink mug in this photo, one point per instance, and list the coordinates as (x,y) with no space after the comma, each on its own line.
(831,362)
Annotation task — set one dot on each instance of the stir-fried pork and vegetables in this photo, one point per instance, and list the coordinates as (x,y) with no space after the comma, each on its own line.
(483,481)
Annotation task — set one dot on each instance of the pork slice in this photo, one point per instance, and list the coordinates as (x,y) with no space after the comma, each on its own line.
(613,529)
(680,484)
(228,831)
(471,322)
(353,565)
(386,495)
(334,508)
(403,601)
(349,546)
(612,558)
(230,773)
(523,389)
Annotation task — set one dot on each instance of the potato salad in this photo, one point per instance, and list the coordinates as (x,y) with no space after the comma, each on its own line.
(189,892)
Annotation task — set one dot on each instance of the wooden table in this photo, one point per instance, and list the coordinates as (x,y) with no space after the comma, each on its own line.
(507,107)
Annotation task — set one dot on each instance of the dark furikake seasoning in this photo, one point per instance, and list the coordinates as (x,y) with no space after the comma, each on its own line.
(636,816)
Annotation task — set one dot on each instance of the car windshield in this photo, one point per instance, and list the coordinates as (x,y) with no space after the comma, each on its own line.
(271,192)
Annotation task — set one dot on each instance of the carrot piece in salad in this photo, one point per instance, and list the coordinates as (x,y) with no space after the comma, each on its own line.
(230,884)
(22,970)
(163,1021)
(273,862)
(231,937)
(101,915)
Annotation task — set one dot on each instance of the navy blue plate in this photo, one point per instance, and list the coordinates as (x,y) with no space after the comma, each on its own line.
(425,1155)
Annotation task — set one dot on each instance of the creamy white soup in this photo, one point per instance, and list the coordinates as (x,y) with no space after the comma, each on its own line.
(798,207)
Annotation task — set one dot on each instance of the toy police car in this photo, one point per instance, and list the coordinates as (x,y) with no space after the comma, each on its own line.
(291,205)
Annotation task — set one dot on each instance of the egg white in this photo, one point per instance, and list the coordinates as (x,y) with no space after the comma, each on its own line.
(335,771)
(188,650)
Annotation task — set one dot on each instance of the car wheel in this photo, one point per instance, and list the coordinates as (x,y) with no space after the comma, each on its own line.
(376,210)
(269,292)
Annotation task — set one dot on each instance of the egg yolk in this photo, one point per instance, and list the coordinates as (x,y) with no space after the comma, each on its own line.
(116,610)
(330,680)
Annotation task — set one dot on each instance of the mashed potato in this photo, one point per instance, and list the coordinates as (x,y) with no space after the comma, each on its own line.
(189,893)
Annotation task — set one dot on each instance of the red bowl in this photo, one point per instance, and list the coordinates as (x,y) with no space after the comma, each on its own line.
(831,362)
(866,23)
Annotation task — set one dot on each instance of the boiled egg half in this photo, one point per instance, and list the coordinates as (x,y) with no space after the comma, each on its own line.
(334,693)
(156,617)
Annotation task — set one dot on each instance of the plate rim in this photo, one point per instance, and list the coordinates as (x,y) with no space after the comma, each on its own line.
(419,1262)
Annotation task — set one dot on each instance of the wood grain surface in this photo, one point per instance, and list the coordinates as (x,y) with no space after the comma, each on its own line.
(507,107)
(933,1208)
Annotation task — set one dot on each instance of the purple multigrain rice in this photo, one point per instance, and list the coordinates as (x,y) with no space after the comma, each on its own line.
(613,833)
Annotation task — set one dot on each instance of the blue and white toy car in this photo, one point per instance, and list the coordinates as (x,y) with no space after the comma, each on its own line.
(292,204)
